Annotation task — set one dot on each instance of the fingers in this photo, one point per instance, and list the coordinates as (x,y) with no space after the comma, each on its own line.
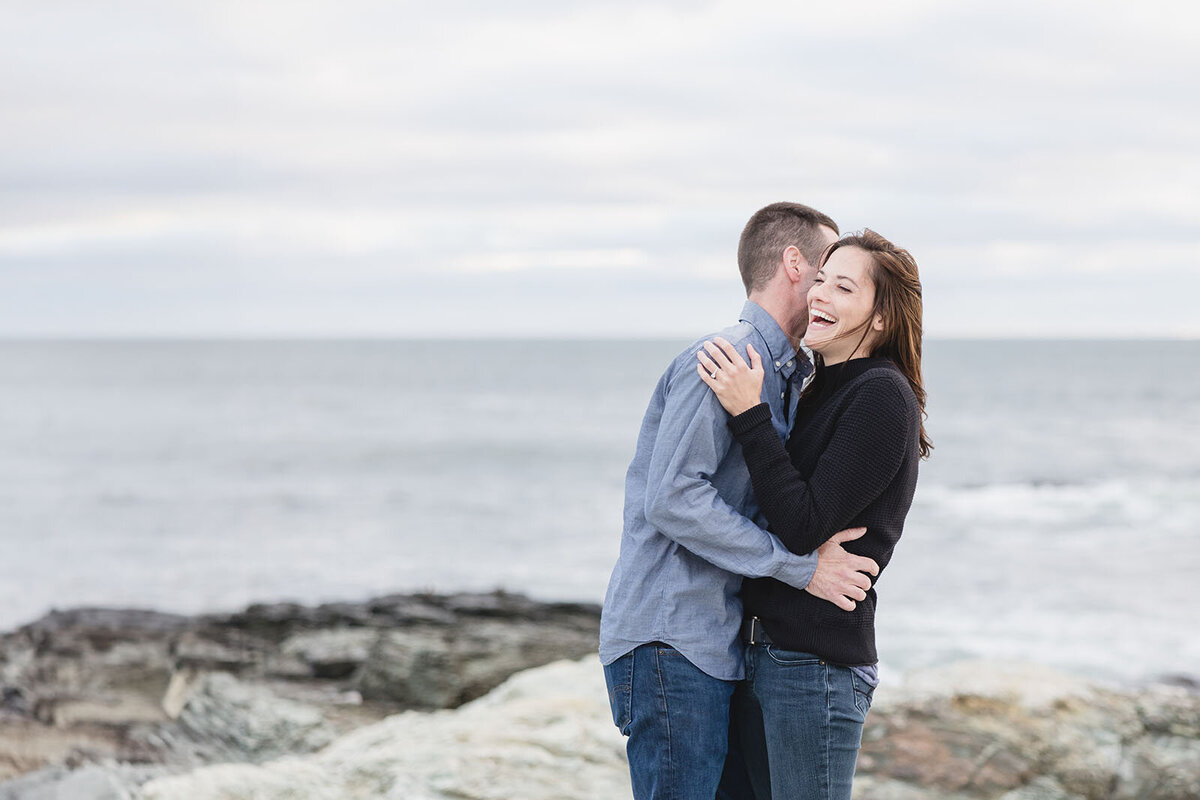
(706,376)
(755,358)
(848,535)
(854,585)
(845,603)
(863,564)
(730,352)
(857,580)
(707,362)
(719,356)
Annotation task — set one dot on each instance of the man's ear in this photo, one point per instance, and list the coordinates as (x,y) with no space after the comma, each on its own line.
(794,263)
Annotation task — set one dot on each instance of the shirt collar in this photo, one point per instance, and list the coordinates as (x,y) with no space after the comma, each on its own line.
(779,348)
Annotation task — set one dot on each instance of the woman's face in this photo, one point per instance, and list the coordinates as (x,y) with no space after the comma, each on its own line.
(840,305)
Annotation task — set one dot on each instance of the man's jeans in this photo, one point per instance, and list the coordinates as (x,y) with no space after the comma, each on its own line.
(677,721)
(798,721)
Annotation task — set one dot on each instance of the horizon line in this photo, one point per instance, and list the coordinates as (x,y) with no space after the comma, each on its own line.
(531,337)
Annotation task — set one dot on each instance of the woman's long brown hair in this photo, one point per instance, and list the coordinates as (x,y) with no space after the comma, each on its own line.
(898,302)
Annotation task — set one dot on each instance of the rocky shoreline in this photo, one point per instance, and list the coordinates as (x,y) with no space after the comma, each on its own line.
(439,697)
(146,693)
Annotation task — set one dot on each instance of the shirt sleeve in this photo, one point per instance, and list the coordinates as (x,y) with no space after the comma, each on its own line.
(864,454)
(683,504)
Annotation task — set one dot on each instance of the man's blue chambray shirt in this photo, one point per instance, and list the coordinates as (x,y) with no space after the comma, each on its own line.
(690,533)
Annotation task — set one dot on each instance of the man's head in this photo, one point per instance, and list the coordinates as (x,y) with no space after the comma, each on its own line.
(778,255)
(779,236)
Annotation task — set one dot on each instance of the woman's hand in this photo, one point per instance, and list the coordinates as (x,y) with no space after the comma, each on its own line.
(738,386)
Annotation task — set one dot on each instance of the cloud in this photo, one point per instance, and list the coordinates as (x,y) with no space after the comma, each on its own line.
(271,150)
(553,259)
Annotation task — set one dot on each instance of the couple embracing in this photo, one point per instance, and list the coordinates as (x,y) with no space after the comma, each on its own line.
(767,492)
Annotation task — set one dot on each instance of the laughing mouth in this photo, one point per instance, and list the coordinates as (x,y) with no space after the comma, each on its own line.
(821,318)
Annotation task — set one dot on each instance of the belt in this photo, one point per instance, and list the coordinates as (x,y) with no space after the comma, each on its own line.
(753,633)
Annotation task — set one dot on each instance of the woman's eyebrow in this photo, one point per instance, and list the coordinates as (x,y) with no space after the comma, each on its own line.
(846,278)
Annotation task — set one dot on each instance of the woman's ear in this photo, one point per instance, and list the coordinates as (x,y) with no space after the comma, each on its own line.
(877,323)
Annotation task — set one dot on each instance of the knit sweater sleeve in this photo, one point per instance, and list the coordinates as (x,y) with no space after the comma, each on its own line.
(868,443)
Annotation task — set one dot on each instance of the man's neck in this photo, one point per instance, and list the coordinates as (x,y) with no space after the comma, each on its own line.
(792,322)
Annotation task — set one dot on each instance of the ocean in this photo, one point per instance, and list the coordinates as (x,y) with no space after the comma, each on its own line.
(1058,520)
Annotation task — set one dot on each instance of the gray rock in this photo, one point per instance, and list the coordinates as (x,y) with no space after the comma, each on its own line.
(1170,710)
(1042,789)
(545,734)
(1162,768)
(194,649)
(57,783)
(403,609)
(1020,732)
(84,686)
(488,651)
(331,654)
(249,722)
(416,669)
(121,621)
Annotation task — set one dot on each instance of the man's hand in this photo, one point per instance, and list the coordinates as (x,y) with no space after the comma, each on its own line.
(839,577)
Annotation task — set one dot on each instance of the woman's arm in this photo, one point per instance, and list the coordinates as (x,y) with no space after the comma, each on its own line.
(867,447)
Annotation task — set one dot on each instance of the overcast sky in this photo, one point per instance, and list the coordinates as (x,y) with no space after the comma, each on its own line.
(543,168)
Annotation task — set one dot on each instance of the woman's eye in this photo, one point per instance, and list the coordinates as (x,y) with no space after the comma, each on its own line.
(845,289)
(817,280)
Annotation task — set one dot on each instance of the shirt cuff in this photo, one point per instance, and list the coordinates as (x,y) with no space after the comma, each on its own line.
(798,571)
(749,419)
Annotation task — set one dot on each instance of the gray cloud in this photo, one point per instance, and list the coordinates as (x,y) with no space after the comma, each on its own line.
(344,159)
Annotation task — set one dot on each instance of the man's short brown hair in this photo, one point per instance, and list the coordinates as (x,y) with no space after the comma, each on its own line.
(772,230)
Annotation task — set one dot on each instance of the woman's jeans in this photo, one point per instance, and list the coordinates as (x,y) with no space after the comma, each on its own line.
(798,724)
(677,721)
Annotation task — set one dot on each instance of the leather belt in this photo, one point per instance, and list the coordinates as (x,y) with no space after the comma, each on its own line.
(753,633)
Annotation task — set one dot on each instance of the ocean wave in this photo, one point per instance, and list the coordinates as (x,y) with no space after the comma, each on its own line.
(1135,501)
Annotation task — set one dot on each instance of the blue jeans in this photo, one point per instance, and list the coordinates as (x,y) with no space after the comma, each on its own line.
(677,721)
(797,721)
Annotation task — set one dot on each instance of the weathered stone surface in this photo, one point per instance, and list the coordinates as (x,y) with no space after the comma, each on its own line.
(492,649)
(544,733)
(1170,710)
(972,731)
(101,781)
(414,669)
(249,722)
(1042,789)
(331,654)
(1162,768)
(992,730)
(429,667)
(82,686)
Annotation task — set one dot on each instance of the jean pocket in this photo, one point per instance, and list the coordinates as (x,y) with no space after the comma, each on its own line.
(863,694)
(792,658)
(619,677)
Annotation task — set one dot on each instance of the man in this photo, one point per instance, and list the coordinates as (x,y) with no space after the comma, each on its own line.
(669,633)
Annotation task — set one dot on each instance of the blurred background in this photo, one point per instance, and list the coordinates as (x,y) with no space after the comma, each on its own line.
(316,301)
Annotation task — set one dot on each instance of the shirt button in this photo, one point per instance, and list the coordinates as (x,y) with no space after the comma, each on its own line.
(789,363)
(781,395)
(777,363)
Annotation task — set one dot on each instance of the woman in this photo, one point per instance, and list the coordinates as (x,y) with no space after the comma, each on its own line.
(850,461)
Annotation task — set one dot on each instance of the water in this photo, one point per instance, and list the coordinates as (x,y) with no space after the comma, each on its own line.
(1057,521)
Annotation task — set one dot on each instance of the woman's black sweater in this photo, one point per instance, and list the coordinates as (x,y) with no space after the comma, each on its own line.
(850,461)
